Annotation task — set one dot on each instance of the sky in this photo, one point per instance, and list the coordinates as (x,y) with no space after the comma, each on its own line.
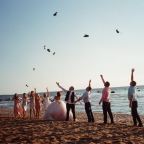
(26,26)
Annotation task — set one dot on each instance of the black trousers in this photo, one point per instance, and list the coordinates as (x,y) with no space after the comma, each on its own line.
(135,115)
(72,108)
(89,112)
(107,109)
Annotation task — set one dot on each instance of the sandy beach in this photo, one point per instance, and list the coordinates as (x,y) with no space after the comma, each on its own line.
(61,132)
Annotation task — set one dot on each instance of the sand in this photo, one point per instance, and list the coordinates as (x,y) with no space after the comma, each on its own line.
(61,132)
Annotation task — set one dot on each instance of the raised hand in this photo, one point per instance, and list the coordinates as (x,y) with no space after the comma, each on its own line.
(57,83)
(133,70)
(101,76)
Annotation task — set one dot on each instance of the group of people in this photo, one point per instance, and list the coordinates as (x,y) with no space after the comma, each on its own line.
(59,110)
(33,101)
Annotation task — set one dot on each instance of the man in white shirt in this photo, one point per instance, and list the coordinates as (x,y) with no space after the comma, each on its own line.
(133,104)
(86,99)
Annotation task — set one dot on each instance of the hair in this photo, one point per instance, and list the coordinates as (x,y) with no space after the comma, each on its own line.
(57,97)
(15,96)
(24,94)
(107,84)
(88,88)
(71,88)
(133,83)
(58,94)
(44,94)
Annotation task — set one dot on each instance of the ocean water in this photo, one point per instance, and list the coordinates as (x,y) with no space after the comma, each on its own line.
(119,100)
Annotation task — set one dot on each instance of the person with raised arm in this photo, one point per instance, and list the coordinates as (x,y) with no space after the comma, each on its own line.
(46,100)
(32,104)
(17,106)
(70,99)
(24,104)
(133,104)
(86,98)
(105,99)
(37,105)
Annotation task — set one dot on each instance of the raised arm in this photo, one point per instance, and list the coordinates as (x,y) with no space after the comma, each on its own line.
(61,87)
(89,83)
(48,94)
(102,79)
(132,75)
(35,90)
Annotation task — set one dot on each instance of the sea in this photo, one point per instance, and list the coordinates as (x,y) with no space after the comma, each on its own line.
(119,100)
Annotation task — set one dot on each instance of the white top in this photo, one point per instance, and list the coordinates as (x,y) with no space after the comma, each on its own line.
(86,97)
(132,93)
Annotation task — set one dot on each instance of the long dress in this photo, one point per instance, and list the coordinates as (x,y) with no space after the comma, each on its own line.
(25,104)
(46,103)
(56,111)
(17,107)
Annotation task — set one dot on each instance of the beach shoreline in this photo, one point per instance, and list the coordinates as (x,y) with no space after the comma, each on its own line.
(62,132)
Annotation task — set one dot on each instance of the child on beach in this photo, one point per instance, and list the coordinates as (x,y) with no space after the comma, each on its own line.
(86,99)
(70,98)
(24,104)
(17,106)
(133,104)
(105,99)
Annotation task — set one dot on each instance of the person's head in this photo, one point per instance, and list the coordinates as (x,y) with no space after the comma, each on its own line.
(24,95)
(71,88)
(57,97)
(15,96)
(32,93)
(88,88)
(132,83)
(58,94)
(44,95)
(107,84)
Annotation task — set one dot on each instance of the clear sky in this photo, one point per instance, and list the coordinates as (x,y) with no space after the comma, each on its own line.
(27,25)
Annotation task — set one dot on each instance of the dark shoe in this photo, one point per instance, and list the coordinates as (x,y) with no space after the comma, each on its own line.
(104,122)
(140,125)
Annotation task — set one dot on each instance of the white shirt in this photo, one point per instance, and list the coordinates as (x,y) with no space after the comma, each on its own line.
(132,93)
(85,97)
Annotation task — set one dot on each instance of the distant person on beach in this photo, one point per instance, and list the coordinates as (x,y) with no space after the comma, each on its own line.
(17,106)
(37,105)
(133,104)
(57,97)
(86,98)
(105,99)
(24,104)
(70,99)
(32,104)
(46,101)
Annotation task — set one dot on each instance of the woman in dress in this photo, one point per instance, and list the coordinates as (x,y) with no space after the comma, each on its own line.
(24,104)
(37,105)
(46,100)
(32,104)
(17,106)
(56,110)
